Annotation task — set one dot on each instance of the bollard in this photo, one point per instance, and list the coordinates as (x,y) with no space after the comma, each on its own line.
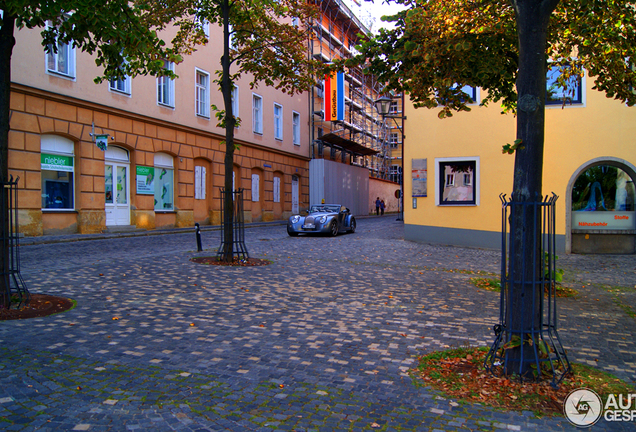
(198,233)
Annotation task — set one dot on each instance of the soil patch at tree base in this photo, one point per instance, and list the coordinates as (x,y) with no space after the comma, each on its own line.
(40,305)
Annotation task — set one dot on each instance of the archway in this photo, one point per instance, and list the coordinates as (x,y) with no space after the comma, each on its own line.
(600,207)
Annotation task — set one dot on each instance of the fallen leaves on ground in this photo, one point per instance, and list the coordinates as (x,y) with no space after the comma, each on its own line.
(460,374)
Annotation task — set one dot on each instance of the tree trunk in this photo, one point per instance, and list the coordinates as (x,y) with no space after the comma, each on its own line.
(226,89)
(525,259)
(7,41)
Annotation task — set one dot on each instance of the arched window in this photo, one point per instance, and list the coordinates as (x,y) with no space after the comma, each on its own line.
(603,198)
(57,169)
(164,182)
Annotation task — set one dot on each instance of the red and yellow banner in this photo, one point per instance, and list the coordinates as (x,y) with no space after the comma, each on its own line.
(334,97)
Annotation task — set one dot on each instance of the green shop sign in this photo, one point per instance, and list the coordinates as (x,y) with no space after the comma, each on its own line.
(145,180)
(56,162)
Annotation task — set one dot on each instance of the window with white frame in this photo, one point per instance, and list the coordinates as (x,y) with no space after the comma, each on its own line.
(199,182)
(120,85)
(257,114)
(203,23)
(395,173)
(57,169)
(394,140)
(468,179)
(278,121)
(394,107)
(457,181)
(235,103)
(60,58)
(232,42)
(164,182)
(256,180)
(202,93)
(165,87)
(276,189)
(296,127)
(556,94)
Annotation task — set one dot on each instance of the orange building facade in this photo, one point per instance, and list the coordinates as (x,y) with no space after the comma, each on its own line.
(163,164)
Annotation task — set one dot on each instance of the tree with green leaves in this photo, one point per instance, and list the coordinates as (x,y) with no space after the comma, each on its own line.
(123,36)
(266,40)
(505,47)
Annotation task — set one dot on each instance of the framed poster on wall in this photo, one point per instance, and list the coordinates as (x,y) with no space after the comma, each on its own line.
(419,176)
(145,180)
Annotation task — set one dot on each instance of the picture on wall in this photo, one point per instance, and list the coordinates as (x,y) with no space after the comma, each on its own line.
(420,176)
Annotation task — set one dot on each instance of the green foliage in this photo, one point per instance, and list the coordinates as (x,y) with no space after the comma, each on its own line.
(438,46)
(122,35)
(511,148)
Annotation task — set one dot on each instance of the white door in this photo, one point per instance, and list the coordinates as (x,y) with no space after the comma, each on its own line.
(295,195)
(117,194)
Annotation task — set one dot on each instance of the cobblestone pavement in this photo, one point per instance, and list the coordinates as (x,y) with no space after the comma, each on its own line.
(319,340)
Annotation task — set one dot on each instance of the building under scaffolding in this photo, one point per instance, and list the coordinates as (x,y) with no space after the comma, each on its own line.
(362,137)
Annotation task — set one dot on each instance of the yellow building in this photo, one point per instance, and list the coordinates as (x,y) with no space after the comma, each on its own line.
(458,171)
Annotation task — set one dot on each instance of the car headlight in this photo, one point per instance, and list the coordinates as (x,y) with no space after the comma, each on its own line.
(295,219)
(322,219)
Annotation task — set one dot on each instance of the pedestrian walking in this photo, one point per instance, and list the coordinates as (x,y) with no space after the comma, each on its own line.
(382,207)
(377,206)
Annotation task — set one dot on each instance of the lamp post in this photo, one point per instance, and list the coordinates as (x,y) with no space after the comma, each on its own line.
(383,107)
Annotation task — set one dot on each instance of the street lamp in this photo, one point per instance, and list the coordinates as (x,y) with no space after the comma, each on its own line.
(383,107)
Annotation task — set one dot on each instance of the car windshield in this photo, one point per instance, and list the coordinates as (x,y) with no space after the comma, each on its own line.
(330,208)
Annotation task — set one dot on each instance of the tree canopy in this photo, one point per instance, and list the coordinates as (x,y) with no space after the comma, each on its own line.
(439,46)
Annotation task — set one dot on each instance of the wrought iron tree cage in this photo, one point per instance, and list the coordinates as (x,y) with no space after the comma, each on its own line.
(527,343)
(14,292)
(237,225)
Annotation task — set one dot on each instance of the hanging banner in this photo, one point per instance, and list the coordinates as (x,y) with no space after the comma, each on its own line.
(334,97)
(101,141)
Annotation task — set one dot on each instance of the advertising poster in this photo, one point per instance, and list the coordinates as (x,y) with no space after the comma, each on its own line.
(145,180)
(419,175)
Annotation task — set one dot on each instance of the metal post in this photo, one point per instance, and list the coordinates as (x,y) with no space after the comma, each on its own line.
(198,234)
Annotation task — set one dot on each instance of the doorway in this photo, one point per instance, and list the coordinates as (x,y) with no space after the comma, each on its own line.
(116,186)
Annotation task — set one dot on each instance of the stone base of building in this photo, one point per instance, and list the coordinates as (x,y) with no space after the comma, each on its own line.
(462,237)
(184,219)
(30,222)
(143,219)
(91,221)
(604,243)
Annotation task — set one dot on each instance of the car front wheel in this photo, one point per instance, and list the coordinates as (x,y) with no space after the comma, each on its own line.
(352,228)
(292,233)
(333,229)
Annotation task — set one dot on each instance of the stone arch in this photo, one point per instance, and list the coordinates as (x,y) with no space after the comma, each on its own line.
(626,166)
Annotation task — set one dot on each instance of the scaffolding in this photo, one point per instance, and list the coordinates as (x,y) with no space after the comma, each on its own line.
(363,137)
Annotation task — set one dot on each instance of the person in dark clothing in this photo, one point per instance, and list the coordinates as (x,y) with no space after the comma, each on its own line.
(377,206)
(382,208)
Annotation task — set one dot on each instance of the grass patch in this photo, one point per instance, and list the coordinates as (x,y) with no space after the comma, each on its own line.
(490,284)
(460,374)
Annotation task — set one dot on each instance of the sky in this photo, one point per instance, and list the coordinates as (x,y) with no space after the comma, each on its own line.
(373,10)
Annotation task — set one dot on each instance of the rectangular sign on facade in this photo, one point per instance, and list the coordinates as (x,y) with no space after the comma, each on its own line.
(334,97)
(56,162)
(602,220)
(419,175)
(145,180)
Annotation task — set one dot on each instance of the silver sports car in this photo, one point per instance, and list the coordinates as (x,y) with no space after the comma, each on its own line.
(322,219)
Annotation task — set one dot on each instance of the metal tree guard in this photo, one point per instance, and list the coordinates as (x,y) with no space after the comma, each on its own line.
(14,287)
(547,355)
(239,250)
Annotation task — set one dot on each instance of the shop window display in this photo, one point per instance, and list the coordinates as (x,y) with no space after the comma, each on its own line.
(164,183)
(57,173)
(603,198)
